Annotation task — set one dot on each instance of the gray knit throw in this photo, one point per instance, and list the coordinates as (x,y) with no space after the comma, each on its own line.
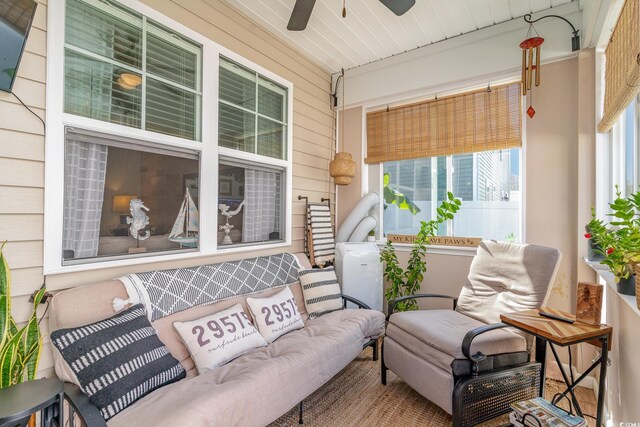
(164,292)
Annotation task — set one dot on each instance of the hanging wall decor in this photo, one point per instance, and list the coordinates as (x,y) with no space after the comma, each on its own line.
(530,48)
(530,65)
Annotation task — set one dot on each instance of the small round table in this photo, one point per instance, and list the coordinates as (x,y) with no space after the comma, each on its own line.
(18,402)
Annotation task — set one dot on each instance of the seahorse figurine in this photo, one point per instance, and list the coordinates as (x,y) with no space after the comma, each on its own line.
(138,219)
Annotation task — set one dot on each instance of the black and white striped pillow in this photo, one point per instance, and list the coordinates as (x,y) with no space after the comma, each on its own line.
(320,290)
(118,360)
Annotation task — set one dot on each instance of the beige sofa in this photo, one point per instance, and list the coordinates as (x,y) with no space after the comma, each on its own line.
(252,390)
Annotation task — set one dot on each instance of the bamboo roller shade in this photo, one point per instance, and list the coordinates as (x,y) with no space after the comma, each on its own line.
(466,123)
(622,68)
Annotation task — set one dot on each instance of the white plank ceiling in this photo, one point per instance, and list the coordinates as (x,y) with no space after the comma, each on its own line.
(371,32)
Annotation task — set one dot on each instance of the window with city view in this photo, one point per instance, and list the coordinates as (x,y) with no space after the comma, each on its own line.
(487,182)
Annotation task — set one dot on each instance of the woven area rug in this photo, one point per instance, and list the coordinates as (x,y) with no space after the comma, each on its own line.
(355,397)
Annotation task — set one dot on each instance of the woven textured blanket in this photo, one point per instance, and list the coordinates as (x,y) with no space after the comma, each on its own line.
(321,244)
(164,292)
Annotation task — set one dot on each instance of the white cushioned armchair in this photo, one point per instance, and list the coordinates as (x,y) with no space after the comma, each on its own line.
(461,359)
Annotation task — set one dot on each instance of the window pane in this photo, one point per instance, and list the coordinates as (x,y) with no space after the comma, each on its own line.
(92,29)
(271,100)
(462,176)
(236,129)
(96,90)
(250,204)
(487,182)
(237,85)
(101,181)
(412,179)
(174,63)
(629,147)
(270,138)
(494,210)
(104,79)
(170,110)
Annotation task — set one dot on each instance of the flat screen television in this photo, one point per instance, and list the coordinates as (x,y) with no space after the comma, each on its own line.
(15,22)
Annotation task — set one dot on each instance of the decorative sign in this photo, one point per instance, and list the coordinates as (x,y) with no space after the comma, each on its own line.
(470,242)
(589,303)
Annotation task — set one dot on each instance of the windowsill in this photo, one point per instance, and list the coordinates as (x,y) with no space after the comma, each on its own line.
(434,249)
(162,258)
(607,276)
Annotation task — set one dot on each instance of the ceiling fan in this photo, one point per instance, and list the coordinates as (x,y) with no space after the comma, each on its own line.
(302,11)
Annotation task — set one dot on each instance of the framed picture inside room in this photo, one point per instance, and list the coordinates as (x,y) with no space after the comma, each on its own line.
(225,187)
(589,303)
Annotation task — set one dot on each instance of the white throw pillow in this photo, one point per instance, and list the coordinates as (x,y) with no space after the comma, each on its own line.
(216,339)
(276,315)
(321,291)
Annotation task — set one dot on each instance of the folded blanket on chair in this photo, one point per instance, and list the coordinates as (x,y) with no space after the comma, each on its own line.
(322,245)
(164,292)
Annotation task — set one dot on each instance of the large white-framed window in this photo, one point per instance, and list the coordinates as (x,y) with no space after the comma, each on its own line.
(252,135)
(618,158)
(134,112)
(490,182)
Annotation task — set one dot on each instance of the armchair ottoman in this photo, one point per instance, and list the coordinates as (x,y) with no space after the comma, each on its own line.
(461,359)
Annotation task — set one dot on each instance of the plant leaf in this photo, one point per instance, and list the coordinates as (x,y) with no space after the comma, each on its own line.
(394,197)
(8,358)
(33,339)
(5,298)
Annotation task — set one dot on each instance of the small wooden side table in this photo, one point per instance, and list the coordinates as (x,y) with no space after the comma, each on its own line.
(560,333)
(18,402)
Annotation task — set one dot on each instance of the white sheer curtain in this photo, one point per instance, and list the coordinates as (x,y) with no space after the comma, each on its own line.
(260,209)
(85,170)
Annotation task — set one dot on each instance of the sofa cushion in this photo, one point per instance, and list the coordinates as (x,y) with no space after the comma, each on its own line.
(93,302)
(170,337)
(437,335)
(276,315)
(216,339)
(506,277)
(321,291)
(261,385)
(118,360)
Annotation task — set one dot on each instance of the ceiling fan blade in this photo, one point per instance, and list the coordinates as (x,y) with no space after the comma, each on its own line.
(300,15)
(399,7)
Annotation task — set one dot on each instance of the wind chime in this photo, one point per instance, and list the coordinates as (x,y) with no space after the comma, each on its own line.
(530,65)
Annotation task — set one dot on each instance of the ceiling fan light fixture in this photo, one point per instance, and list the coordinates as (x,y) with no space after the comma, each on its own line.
(129,80)
(123,85)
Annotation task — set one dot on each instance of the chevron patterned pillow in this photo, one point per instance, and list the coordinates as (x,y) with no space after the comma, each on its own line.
(117,360)
(320,290)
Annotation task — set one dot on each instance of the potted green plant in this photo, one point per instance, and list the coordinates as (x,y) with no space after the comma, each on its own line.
(403,282)
(594,251)
(620,243)
(372,236)
(19,348)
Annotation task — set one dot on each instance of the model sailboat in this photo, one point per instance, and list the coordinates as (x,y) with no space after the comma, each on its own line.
(185,229)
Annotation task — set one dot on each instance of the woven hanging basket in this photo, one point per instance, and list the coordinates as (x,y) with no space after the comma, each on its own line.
(342,168)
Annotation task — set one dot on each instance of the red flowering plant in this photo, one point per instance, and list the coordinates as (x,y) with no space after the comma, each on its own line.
(620,244)
(593,225)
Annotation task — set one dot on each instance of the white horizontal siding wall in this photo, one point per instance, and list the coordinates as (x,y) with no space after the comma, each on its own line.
(22,159)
